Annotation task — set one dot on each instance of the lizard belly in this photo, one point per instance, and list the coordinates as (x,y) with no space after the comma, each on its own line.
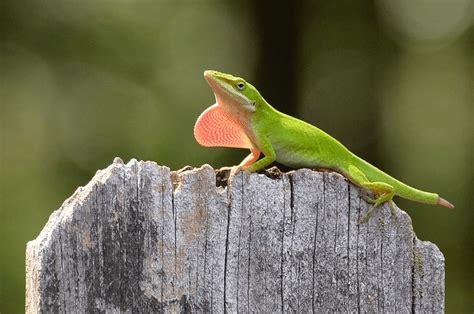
(297,157)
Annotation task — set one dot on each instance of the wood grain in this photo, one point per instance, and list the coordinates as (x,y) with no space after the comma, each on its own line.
(142,238)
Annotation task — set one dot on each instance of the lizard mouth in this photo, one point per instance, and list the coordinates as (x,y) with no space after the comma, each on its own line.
(225,93)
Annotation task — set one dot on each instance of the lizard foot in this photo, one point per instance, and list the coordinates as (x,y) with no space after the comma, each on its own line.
(368,199)
(385,197)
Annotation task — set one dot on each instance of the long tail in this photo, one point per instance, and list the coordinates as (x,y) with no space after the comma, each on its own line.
(402,189)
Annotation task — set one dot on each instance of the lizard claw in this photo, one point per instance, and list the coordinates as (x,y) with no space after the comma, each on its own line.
(366,216)
(368,199)
(235,170)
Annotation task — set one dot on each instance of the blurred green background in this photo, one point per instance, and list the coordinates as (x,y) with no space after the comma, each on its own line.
(85,81)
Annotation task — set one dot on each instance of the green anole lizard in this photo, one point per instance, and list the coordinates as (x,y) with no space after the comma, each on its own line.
(241,118)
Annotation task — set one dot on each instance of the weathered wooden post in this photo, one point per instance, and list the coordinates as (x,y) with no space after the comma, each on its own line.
(140,238)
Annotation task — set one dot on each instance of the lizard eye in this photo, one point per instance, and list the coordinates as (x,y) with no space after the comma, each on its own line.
(240,86)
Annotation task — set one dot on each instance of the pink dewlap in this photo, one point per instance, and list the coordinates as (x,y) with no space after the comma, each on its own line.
(216,127)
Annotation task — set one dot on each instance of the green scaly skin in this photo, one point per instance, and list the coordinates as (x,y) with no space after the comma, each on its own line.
(295,143)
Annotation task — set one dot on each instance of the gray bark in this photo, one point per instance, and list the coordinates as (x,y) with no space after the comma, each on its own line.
(142,238)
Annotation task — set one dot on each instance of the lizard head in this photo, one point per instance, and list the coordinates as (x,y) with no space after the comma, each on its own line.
(232,93)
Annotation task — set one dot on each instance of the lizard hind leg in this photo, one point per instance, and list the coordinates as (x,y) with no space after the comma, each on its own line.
(382,198)
(384,192)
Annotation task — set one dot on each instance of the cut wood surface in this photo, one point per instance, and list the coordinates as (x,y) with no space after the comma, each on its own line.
(142,238)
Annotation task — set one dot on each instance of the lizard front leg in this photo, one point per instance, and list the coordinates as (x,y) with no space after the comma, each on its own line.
(270,156)
(250,159)
(247,162)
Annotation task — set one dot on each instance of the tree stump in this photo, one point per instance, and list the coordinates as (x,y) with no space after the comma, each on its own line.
(142,238)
